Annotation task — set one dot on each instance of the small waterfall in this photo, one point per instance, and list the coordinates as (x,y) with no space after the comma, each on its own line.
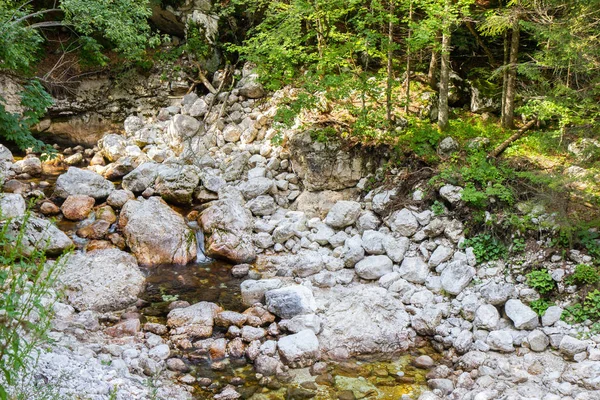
(200,257)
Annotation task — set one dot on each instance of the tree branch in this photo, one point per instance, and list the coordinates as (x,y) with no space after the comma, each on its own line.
(47,24)
(35,14)
(517,135)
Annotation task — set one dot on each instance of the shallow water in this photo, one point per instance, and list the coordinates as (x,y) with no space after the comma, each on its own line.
(209,281)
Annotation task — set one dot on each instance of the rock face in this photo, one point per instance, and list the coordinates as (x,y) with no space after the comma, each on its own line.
(350,327)
(327,166)
(39,234)
(156,234)
(82,182)
(228,228)
(299,350)
(102,280)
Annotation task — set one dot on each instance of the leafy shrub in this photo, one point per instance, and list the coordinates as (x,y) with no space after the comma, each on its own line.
(486,247)
(589,309)
(438,208)
(584,275)
(518,245)
(541,281)
(17,128)
(540,306)
(26,302)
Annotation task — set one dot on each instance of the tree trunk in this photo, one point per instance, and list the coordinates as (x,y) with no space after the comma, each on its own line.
(433,66)
(390,64)
(504,77)
(443,111)
(517,135)
(511,83)
(408,66)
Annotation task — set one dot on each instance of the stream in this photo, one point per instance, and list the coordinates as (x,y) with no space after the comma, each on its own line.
(210,280)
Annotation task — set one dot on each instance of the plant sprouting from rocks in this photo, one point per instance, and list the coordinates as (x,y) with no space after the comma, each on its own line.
(27,297)
(541,280)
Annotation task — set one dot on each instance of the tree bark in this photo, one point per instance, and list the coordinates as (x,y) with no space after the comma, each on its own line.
(443,111)
(408,59)
(390,64)
(485,49)
(511,83)
(517,135)
(433,66)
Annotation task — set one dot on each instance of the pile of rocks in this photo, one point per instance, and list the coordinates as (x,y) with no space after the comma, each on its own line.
(338,271)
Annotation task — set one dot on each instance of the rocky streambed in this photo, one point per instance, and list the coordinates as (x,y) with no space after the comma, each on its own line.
(326,288)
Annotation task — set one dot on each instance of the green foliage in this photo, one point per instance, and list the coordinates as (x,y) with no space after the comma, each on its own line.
(486,247)
(518,245)
(541,281)
(16,128)
(584,275)
(26,300)
(438,208)
(590,309)
(123,23)
(540,306)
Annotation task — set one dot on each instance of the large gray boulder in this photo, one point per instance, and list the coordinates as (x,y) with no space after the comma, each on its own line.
(82,182)
(102,280)
(343,214)
(521,315)
(456,276)
(373,267)
(141,178)
(361,320)
(254,291)
(403,222)
(300,349)
(5,154)
(38,234)
(176,183)
(156,234)
(11,205)
(112,146)
(287,302)
(414,270)
(228,229)
(182,129)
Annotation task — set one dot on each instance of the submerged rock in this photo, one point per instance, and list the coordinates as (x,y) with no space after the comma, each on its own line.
(156,233)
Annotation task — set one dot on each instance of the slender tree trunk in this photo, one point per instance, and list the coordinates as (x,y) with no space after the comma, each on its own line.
(517,135)
(511,83)
(485,49)
(504,77)
(390,64)
(443,111)
(408,59)
(433,67)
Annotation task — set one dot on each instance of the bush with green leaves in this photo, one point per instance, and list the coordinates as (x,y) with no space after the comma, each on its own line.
(588,309)
(27,297)
(584,275)
(540,306)
(486,247)
(17,128)
(541,280)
